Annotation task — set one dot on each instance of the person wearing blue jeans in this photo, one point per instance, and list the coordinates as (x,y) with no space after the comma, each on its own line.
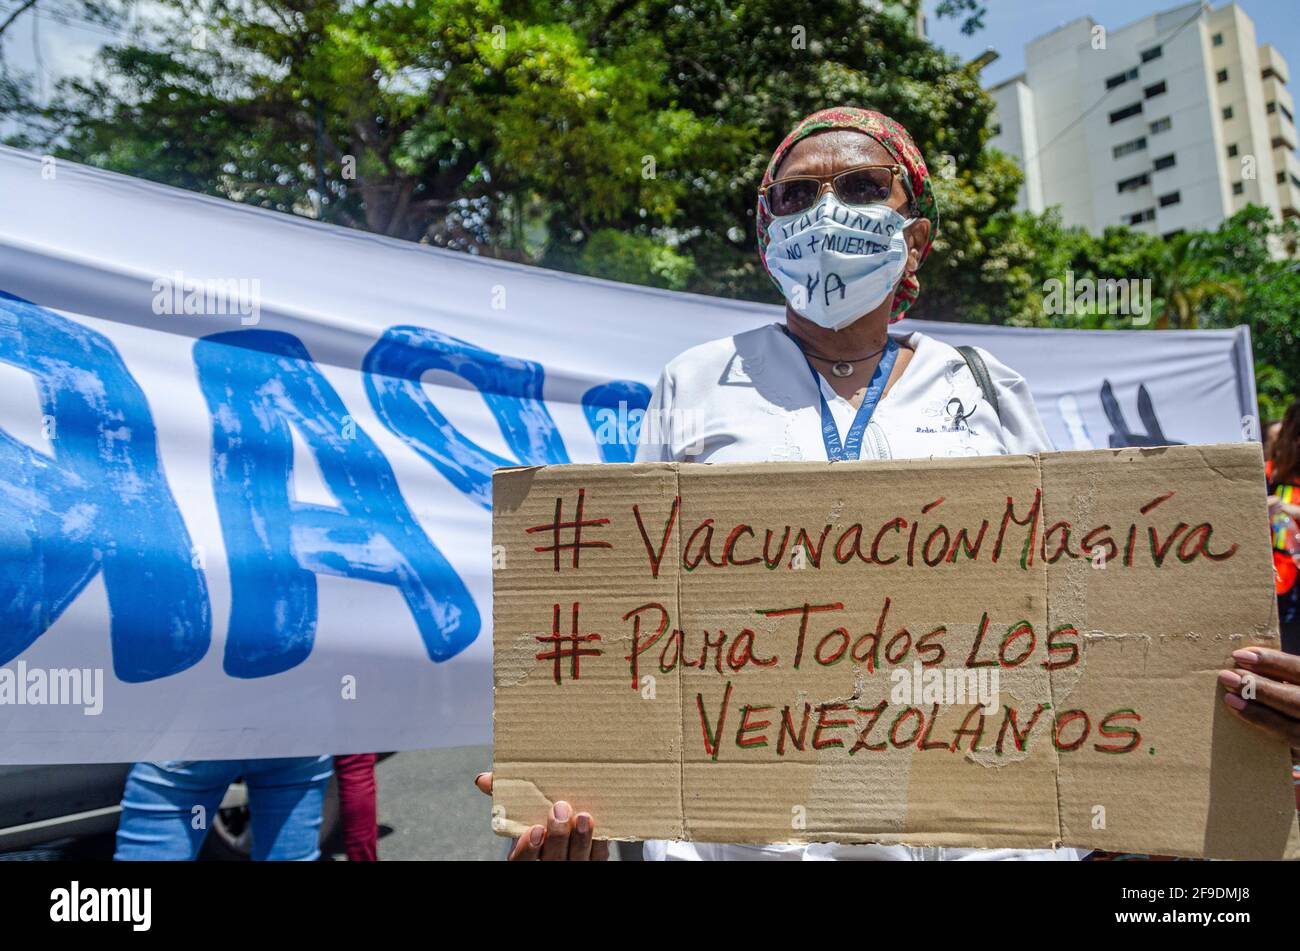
(167,807)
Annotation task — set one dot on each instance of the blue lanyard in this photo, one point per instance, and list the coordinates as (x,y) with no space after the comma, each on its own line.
(852,447)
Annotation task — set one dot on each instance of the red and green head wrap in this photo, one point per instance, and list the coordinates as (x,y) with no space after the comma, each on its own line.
(899,144)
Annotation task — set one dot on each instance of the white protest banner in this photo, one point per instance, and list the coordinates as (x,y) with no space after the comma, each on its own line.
(245,459)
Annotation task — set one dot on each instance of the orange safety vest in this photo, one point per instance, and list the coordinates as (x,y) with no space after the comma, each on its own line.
(1282,530)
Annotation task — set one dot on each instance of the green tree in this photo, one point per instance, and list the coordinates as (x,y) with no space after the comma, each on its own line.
(1259,255)
(618,138)
(420,121)
(540,130)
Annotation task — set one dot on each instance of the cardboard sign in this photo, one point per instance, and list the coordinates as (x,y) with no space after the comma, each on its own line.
(1008,651)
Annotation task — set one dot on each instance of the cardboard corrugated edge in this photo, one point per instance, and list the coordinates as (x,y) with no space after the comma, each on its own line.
(1287,810)
(513,828)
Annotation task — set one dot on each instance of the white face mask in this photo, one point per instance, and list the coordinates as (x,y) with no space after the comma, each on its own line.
(836,262)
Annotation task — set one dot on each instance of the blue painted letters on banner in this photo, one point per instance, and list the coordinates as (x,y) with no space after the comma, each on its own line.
(256,382)
(512,389)
(99,502)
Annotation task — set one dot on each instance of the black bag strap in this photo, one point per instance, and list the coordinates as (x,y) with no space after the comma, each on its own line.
(980,371)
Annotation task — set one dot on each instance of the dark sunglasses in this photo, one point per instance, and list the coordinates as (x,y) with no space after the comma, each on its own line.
(862,185)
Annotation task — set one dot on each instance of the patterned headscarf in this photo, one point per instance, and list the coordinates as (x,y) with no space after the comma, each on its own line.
(895,139)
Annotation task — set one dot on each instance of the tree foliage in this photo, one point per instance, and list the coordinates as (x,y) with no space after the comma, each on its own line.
(618,138)
(523,129)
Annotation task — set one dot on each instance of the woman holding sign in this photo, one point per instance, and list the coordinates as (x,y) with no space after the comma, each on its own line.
(846,215)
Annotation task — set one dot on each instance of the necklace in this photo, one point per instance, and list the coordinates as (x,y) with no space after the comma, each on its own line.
(840,368)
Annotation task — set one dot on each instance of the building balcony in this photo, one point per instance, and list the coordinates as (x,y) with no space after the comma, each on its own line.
(1271,61)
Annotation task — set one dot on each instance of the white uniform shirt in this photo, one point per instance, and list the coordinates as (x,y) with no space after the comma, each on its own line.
(752,398)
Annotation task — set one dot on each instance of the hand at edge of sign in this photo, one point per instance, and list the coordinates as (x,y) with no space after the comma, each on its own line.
(566,837)
(1276,503)
(1275,708)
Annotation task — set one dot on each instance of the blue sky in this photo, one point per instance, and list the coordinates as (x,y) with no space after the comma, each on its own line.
(1010,24)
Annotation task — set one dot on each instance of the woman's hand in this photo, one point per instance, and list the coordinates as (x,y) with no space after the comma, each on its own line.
(1265,691)
(1277,505)
(565,837)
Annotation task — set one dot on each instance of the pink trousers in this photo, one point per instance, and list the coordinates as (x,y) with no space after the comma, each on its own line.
(358,809)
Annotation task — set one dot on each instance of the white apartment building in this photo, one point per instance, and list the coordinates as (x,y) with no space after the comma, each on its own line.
(1172,123)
